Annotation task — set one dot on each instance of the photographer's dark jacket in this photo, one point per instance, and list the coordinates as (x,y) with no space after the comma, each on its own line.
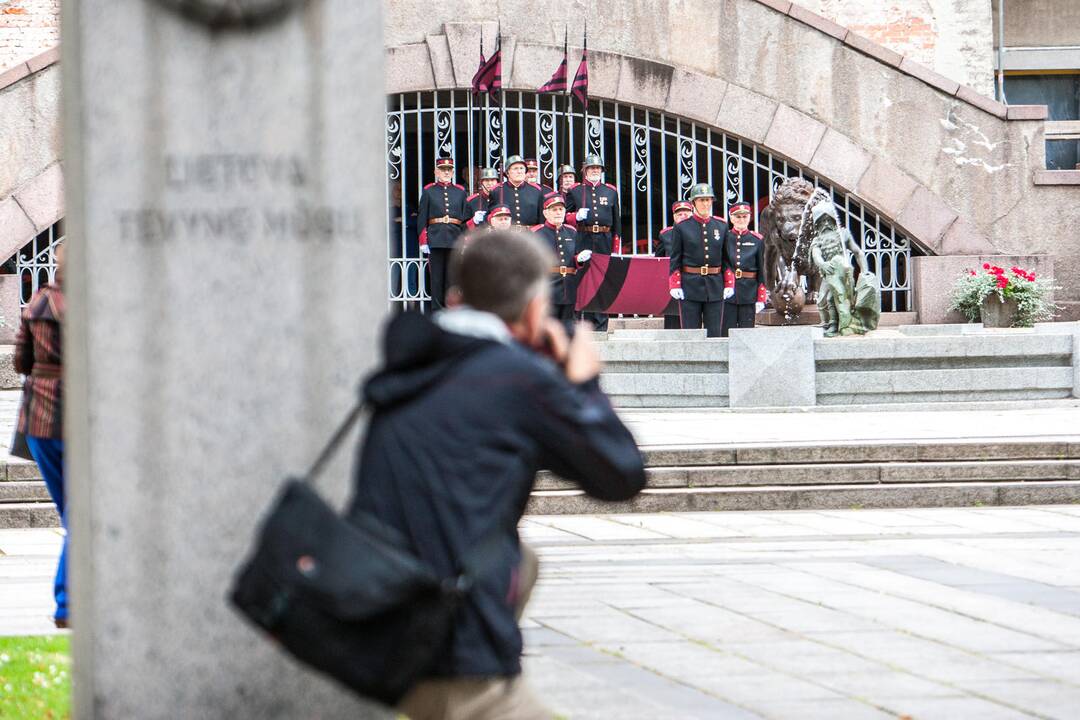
(463,418)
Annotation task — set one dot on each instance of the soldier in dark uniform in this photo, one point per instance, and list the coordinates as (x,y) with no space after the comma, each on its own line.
(498,218)
(442,217)
(593,207)
(522,197)
(478,201)
(744,271)
(532,172)
(561,238)
(566,180)
(662,248)
(697,251)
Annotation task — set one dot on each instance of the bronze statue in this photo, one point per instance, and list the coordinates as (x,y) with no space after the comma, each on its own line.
(789,275)
(847,306)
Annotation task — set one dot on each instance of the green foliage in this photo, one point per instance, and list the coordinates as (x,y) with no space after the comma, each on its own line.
(35,678)
(1031,293)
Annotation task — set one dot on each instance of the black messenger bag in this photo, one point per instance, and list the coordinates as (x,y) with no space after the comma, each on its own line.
(348,598)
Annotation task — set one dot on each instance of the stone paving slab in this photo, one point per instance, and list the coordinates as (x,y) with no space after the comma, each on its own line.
(835,614)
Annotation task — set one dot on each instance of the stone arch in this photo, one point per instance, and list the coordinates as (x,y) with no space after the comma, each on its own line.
(730,108)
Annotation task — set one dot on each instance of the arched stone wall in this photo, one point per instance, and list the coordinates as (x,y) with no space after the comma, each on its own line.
(951,167)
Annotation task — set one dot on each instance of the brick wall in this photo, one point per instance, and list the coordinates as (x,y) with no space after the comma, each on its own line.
(27,28)
(954,37)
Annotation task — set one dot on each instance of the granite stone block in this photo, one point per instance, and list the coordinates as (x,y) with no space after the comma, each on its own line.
(772,367)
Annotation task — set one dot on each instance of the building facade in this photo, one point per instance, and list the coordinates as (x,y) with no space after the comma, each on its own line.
(895,107)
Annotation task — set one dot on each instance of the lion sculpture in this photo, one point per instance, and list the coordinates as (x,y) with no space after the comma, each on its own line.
(788,268)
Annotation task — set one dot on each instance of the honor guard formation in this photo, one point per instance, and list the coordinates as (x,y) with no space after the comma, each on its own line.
(715,264)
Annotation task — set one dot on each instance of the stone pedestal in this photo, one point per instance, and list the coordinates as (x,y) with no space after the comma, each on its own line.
(226,277)
(772,367)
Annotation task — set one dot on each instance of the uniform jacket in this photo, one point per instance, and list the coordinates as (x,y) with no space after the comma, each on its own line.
(602,200)
(745,251)
(563,243)
(524,202)
(697,242)
(441,200)
(444,464)
(662,247)
(474,204)
(37,356)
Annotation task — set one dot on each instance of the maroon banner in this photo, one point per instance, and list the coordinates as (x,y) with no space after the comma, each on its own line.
(626,286)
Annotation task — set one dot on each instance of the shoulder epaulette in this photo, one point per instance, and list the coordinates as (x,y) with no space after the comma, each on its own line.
(537,186)
(428,185)
(460,187)
(669,227)
(612,187)
(472,197)
(756,234)
(534,228)
(574,185)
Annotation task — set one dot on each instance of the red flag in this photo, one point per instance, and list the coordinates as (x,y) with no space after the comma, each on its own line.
(478,86)
(580,88)
(557,83)
(627,285)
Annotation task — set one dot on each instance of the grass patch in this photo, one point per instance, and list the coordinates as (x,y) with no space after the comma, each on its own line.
(35,678)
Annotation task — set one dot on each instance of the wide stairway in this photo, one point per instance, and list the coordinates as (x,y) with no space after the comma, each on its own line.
(838,475)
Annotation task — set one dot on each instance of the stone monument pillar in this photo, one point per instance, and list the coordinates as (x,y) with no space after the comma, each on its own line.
(226,281)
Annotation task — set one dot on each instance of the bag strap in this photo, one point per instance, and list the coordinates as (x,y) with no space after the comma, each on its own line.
(475,562)
(358,411)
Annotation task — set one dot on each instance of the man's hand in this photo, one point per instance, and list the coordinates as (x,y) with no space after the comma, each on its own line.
(582,214)
(425,250)
(677,293)
(758,307)
(729,293)
(478,217)
(584,255)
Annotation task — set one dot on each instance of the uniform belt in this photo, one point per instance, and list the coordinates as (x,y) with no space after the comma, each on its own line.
(703,270)
(444,220)
(563,271)
(597,228)
(46,370)
(744,274)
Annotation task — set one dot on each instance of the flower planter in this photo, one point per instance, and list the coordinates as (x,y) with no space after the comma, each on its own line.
(997,313)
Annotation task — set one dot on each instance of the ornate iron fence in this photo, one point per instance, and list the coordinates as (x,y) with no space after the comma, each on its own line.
(652,157)
(35,263)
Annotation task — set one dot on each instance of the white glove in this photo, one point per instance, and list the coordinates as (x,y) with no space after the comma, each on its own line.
(677,293)
(729,293)
(758,307)
(584,255)
(478,217)
(425,250)
(582,214)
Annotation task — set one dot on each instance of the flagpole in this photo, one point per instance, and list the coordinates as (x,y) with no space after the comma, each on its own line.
(502,99)
(585,128)
(565,154)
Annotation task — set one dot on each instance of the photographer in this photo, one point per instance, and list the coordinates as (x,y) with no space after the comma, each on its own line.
(467,408)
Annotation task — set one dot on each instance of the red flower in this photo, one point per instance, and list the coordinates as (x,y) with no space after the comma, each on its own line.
(1002,282)
(986,266)
(972,272)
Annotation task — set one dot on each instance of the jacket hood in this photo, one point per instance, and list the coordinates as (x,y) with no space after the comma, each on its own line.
(418,351)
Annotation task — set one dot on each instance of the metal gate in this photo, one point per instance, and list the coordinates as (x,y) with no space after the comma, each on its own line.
(652,157)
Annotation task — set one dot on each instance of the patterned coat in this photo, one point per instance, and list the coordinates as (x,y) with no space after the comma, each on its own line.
(37,356)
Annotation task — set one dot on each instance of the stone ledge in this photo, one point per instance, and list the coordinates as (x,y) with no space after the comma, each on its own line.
(1057,177)
(1028,112)
(31,66)
(818,22)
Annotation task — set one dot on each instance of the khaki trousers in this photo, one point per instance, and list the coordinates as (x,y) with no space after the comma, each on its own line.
(482,698)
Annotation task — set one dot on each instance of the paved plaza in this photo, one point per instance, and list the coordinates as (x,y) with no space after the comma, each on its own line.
(951,613)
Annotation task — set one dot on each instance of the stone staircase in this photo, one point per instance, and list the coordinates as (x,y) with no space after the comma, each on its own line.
(24,501)
(664,368)
(893,474)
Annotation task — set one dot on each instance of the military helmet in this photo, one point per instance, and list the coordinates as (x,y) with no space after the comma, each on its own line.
(567,170)
(592,161)
(701,190)
(513,160)
(489,174)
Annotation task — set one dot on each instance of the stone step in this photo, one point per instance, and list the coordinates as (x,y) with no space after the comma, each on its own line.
(17,491)
(900,451)
(956,385)
(28,515)
(699,384)
(812,497)
(898,473)
(659,335)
